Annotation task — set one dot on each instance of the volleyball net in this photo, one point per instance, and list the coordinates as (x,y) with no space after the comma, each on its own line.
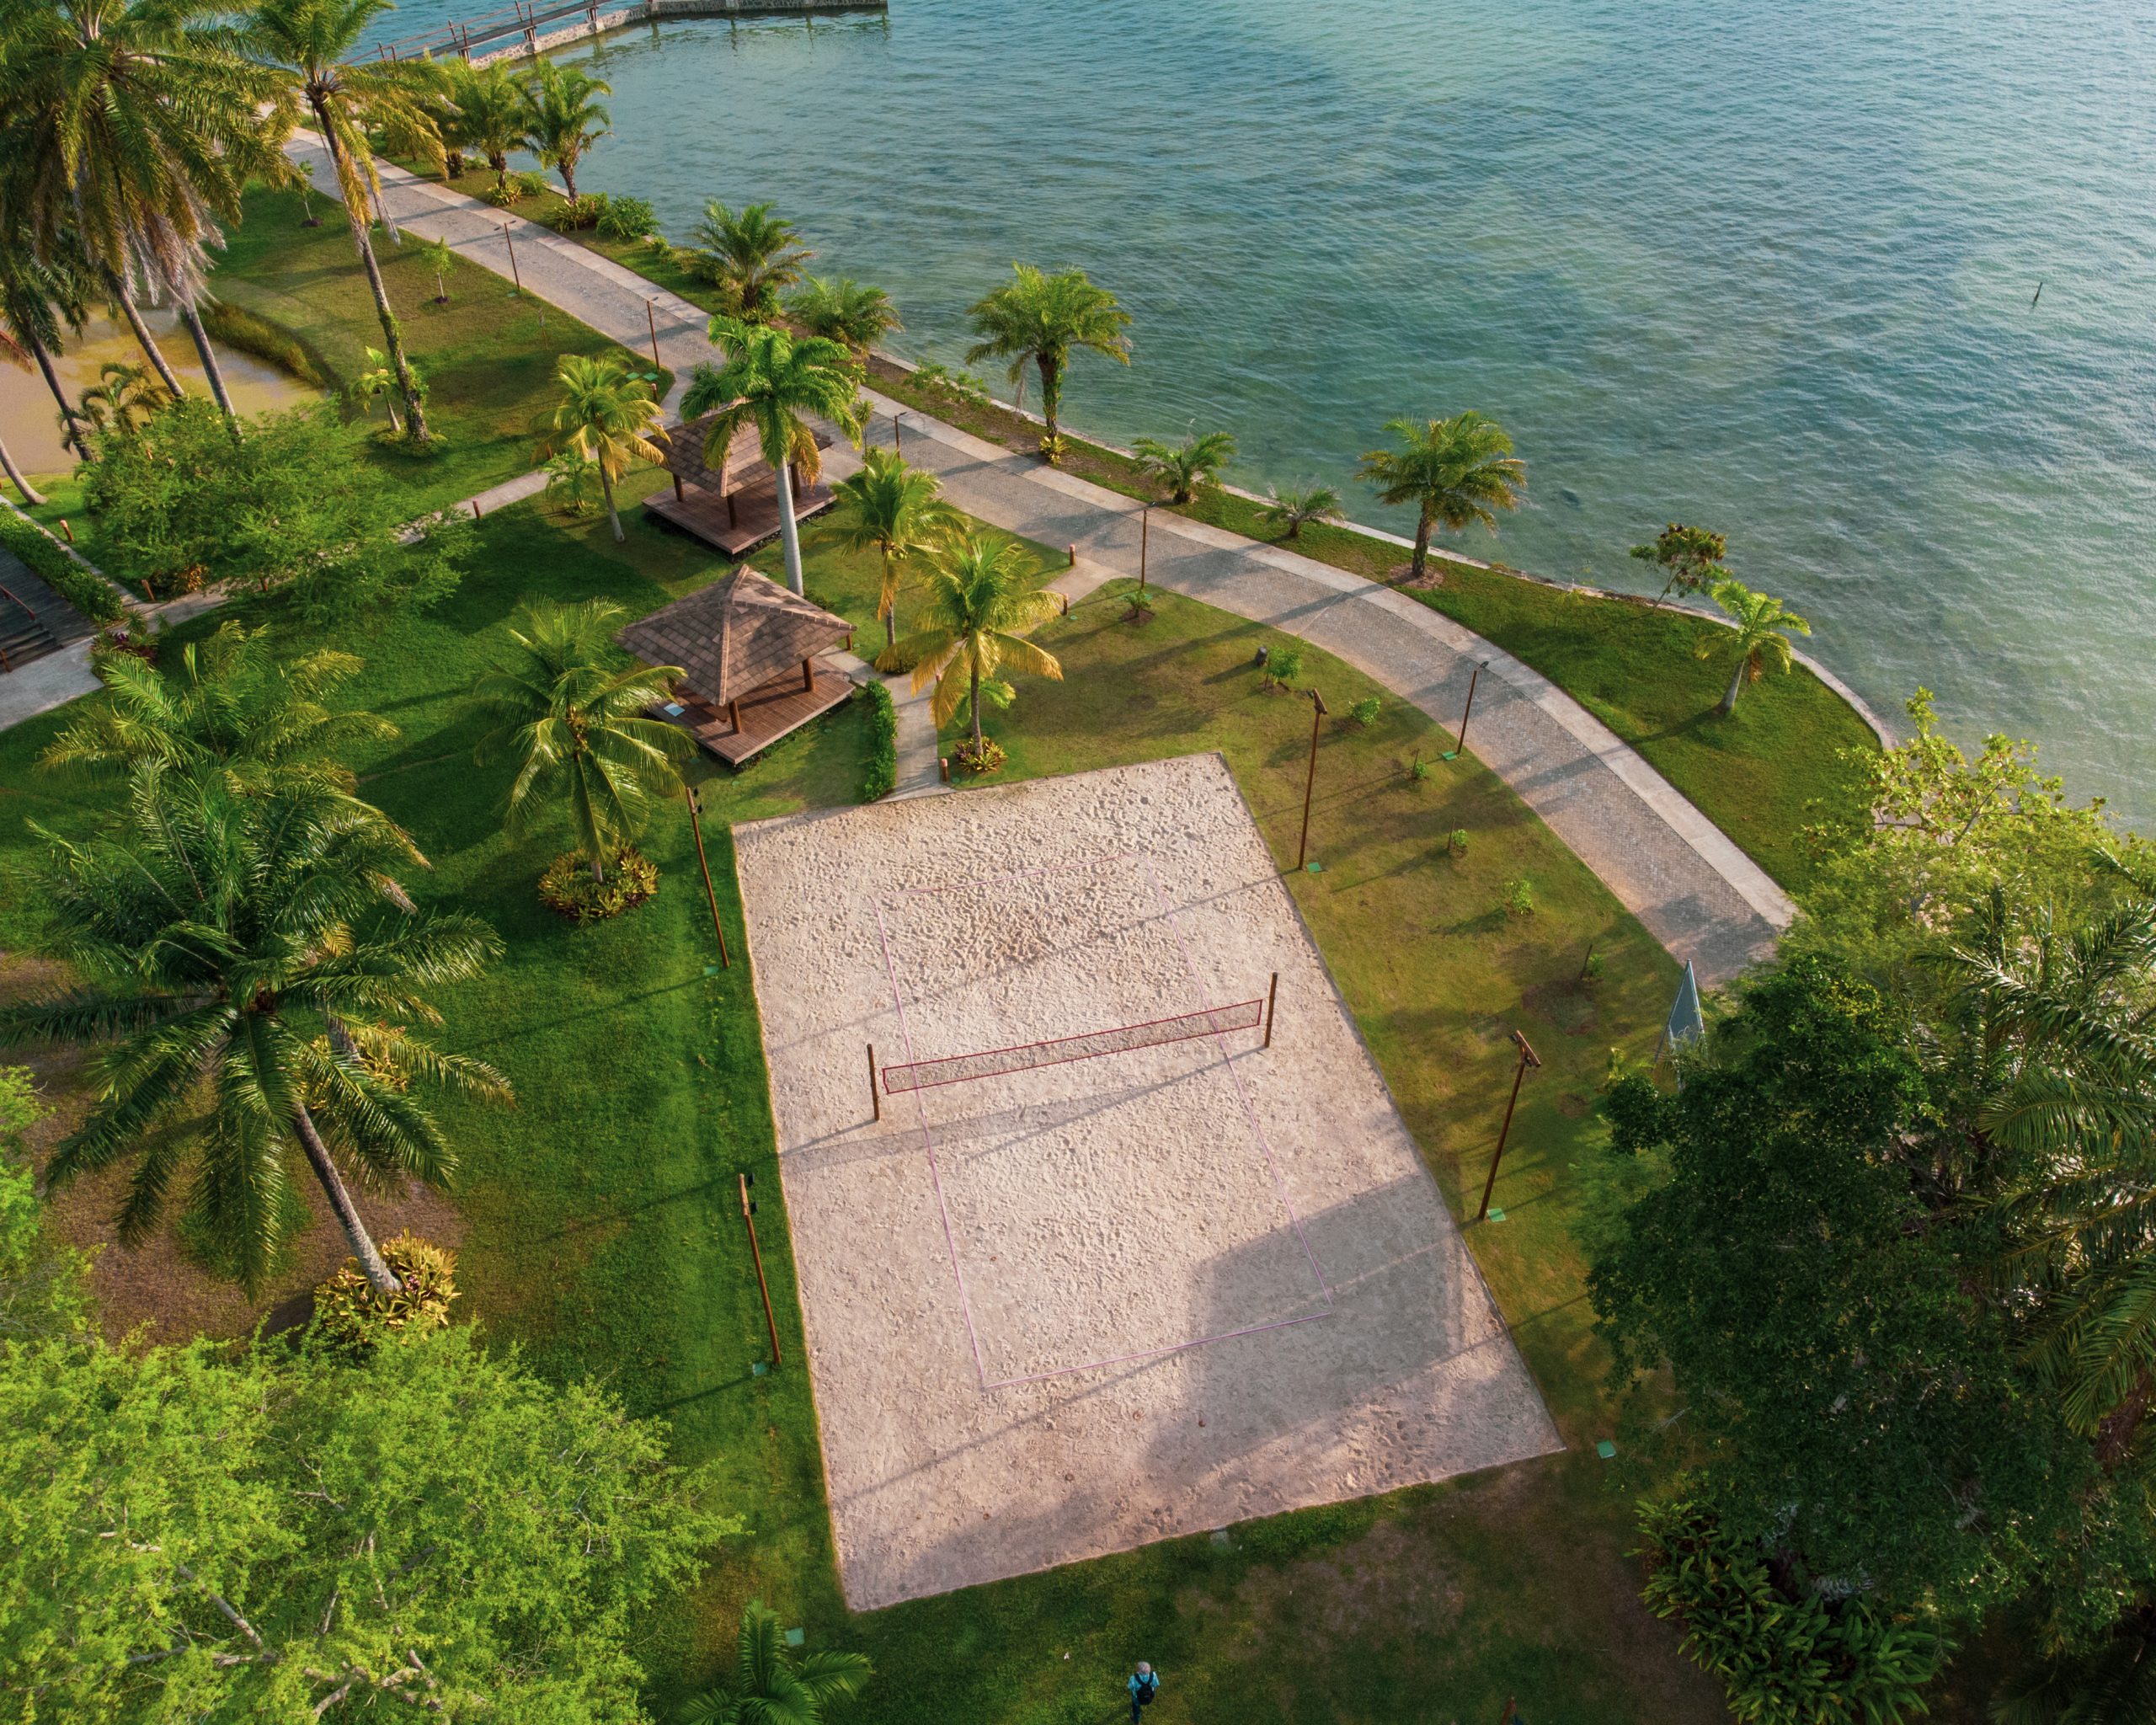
(1088,1045)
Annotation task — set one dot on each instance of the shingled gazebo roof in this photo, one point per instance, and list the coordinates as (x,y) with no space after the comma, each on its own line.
(684,455)
(741,633)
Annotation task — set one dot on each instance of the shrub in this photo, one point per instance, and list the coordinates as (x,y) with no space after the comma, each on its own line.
(285,348)
(883,770)
(1418,769)
(567,889)
(1591,971)
(531,184)
(569,218)
(1283,665)
(1457,841)
(354,1316)
(935,380)
(1364,712)
(624,219)
(991,756)
(1783,1661)
(1052,449)
(503,194)
(1518,900)
(60,568)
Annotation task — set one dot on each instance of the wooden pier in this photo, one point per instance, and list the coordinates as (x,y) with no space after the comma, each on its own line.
(529,28)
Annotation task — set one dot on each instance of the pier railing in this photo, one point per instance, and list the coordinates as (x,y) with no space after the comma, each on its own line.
(528,27)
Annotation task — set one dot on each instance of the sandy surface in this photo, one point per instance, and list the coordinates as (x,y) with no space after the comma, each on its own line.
(1066,1310)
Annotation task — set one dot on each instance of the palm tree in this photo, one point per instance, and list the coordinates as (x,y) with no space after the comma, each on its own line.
(751,255)
(490,110)
(611,416)
(13,353)
(1759,639)
(769,1686)
(896,508)
(978,603)
(307,47)
(1292,511)
(36,299)
(563,117)
(1453,471)
(1046,318)
(378,380)
(441,257)
(124,398)
(230,709)
(844,311)
(132,128)
(770,382)
(214,932)
(571,716)
(1180,469)
(1692,556)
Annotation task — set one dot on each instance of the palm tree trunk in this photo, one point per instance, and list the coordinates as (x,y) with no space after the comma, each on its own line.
(1421,557)
(1735,683)
(76,434)
(1051,395)
(30,493)
(607,485)
(356,220)
(568,179)
(789,534)
(151,351)
(891,607)
(372,1265)
(975,704)
(211,369)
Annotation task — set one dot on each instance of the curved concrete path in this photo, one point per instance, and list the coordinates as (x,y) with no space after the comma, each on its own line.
(1695,891)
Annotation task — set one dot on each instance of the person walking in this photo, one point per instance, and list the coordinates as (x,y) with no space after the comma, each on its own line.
(1144,1684)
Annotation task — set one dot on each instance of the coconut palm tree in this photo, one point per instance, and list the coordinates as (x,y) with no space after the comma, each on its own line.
(1293,509)
(609,417)
(1046,319)
(1453,472)
(1760,637)
(216,934)
(750,255)
(490,110)
(897,510)
(230,709)
(769,382)
(13,353)
(563,117)
(844,311)
(981,599)
(1179,469)
(124,398)
(131,128)
(37,300)
(307,48)
(769,1686)
(570,715)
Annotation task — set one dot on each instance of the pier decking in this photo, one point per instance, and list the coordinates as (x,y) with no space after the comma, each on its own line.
(521,30)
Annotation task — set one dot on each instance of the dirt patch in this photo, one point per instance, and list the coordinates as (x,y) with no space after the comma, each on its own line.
(1565,1004)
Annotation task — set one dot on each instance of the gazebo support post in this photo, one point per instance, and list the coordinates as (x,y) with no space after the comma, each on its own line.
(808,676)
(733,716)
(680,495)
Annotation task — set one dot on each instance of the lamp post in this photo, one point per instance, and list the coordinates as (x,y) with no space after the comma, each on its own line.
(1527,1058)
(651,321)
(1309,780)
(697,825)
(1144,537)
(1473,677)
(516,274)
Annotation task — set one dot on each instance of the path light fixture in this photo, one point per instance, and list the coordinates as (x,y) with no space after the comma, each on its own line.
(651,320)
(516,274)
(1473,677)
(1528,1058)
(1144,536)
(1318,712)
(697,825)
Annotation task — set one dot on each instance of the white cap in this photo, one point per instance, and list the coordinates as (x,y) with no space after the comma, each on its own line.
(1143,1667)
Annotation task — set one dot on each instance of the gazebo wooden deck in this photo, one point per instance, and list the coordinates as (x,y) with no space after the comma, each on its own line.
(735,505)
(747,651)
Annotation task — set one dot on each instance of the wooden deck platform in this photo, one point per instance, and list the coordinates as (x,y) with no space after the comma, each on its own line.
(752,519)
(776,710)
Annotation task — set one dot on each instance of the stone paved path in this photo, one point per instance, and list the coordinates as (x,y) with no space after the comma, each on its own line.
(1692,888)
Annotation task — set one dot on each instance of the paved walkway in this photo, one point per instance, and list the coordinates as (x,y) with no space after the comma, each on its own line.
(1694,890)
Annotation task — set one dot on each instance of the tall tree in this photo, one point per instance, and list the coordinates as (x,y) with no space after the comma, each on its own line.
(1450,472)
(563,117)
(751,254)
(308,49)
(1046,319)
(898,510)
(38,300)
(489,112)
(771,1686)
(844,311)
(1180,468)
(982,596)
(215,933)
(1759,638)
(570,717)
(131,128)
(607,415)
(770,381)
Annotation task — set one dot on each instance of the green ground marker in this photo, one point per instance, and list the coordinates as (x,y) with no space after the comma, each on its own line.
(1316,868)
(1606,1450)
(1496,1215)
(761,1369)
(794,1637)
(711,969)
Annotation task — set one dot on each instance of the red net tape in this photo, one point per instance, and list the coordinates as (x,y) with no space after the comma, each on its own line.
(988,1063)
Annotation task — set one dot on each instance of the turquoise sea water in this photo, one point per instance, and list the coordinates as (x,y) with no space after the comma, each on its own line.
(1762,264)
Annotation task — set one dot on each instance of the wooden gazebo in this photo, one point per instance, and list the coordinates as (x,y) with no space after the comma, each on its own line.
(733,505)
(748,649)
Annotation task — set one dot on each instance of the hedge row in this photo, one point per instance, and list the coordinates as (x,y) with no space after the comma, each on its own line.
(250,332)
(883,772)
(60,568)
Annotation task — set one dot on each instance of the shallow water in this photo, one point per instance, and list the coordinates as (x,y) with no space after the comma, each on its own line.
(1761,266)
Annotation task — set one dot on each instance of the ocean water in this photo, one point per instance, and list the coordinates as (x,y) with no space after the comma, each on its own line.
(1765,265)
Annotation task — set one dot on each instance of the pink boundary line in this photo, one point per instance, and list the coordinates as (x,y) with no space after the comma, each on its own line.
(928,1140)
(982,1054)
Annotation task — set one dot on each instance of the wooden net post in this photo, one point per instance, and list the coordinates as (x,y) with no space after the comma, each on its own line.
(1272,993)
(875,1094)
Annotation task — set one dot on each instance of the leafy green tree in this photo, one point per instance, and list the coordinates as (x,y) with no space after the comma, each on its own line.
(608,415)
(1179,469)
(982,594)
(1046,319)
(1452,472)
(751,255)
(1293,509)
(230,709)
(1852,1398)
(216,934)
(1691,557)
(42,1291)
(489,108)
(441,257)
(569,714)
(1759,638)
(844,311)
(898,510)
(772,382)
(309,51)
(563,117)
(769,1686)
